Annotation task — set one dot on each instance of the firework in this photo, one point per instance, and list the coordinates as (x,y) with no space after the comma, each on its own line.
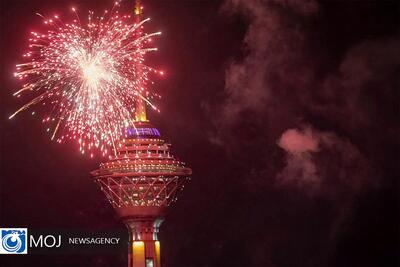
(87,77)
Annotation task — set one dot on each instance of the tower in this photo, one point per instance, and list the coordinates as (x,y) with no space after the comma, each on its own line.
(141,181)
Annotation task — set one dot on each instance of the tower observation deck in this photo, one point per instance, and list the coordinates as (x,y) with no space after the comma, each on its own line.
(141,181)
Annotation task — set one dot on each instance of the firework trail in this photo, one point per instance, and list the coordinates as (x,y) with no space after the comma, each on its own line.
(88,76)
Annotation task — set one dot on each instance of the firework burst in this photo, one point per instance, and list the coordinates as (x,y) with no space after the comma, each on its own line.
(88,76)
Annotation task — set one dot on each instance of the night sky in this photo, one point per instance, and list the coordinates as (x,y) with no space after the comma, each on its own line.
(286,110)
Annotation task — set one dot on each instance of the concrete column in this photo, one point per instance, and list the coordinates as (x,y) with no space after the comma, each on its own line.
(144,247)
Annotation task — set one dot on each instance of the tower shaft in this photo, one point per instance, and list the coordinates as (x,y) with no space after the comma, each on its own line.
(144,247)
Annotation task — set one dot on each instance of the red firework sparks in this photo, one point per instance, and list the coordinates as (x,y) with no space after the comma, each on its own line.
(88,76)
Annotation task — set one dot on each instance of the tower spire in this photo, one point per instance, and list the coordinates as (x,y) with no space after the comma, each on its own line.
(140,112)
(138,7)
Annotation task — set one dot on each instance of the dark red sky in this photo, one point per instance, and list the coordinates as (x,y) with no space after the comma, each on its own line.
(245,81)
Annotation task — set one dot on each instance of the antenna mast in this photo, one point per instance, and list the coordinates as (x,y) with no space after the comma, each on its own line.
(140,112)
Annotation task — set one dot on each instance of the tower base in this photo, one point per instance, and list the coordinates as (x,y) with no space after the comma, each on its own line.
(144,247)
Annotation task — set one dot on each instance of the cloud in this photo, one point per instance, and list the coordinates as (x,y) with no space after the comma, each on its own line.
(280,83)
(296,142)
(303,132)
(361,93)
(321,163)
(300,169)
(325,168)
(261,86)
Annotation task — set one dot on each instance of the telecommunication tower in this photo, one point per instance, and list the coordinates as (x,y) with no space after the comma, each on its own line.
(141,181)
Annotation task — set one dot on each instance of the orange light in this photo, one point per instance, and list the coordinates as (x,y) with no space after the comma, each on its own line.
(158,253)
(138,243)
(138,253)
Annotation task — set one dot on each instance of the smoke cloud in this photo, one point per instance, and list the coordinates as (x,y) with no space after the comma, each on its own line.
(322,163)
(295,122)
(301,169)
(278,87)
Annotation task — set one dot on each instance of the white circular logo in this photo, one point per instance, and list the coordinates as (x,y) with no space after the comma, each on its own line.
(12,242)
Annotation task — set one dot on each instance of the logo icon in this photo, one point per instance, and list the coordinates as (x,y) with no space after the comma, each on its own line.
(13,240)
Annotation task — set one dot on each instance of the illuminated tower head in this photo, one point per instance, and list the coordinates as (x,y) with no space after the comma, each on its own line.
(141,181)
